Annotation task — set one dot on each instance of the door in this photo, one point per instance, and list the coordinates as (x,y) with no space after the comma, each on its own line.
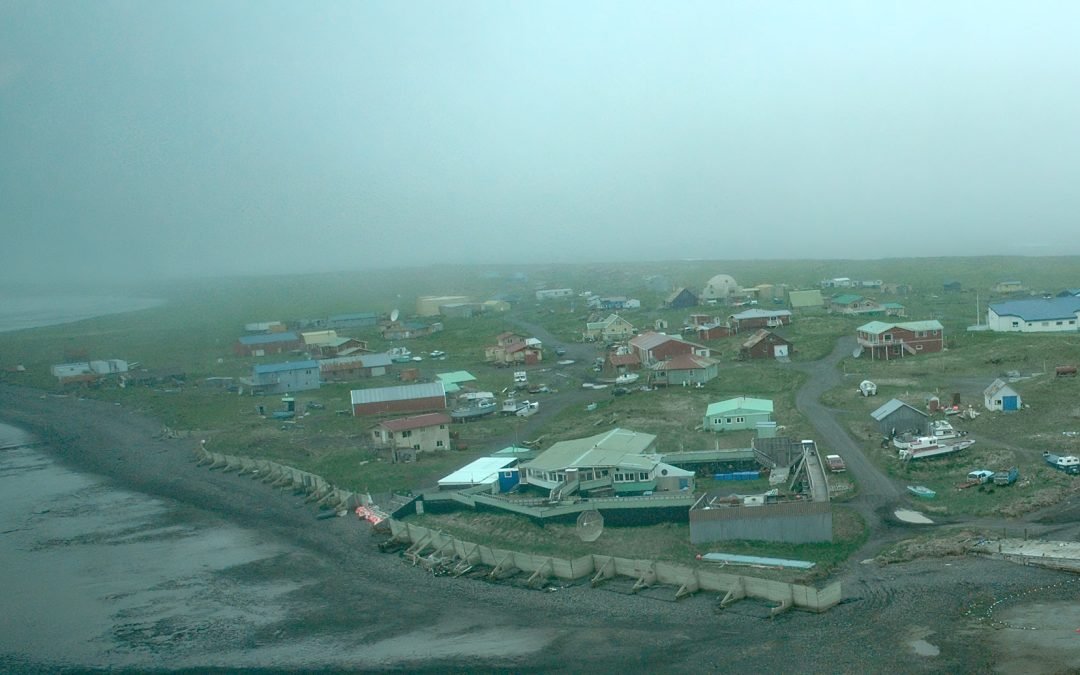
(1010,403)
(780,351)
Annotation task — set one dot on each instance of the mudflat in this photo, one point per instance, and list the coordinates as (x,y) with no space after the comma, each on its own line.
(349,607)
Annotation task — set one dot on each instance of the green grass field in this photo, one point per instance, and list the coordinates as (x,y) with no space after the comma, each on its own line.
(195,331)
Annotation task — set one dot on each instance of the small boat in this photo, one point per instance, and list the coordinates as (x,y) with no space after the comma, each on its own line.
(400,355)
(928,446)
(477,408)
(627,378)
(921,491)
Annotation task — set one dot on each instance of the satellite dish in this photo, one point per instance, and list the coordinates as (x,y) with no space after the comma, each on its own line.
(394,315)
(590,525)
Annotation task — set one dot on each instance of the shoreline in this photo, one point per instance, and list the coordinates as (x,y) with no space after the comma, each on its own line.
(367,610)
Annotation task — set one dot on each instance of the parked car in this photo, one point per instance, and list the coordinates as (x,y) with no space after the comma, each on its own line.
(981,475)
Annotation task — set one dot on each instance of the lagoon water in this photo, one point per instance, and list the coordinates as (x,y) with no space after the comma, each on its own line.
(19,312)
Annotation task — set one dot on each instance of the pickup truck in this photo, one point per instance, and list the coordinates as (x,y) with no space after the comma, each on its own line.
(1006,477)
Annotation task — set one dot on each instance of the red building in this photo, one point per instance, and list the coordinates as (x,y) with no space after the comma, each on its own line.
(428,397)
(886,341)
(652,348)
(765,344)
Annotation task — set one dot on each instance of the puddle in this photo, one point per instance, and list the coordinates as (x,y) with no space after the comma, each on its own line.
(924,648)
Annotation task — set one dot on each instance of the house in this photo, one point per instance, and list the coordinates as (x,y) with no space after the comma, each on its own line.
(850,303)
(452,381)
(952,286)
(894,309)
(281,378)
(619,362)
(680,299)
(1008,287)
(610,329)
(652,347)
(712,331)
(702,319)
(1000,396)
(327,344)
(614,302)
(419,433)
(554,293)
(887,341)
(268,343)
(426,397)
(353,320)
(737,414)
(684,369)
(265,327)
(759,318)
(512,348)
(765,344)
(805,299)
(897,417)
(838,282)
(1036,315)
(344,368)
(398,330)
(619,461)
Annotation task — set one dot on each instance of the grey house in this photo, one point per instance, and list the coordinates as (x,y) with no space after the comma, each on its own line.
(897,417)
(280,378)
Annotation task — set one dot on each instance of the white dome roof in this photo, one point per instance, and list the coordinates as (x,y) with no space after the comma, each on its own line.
(720,286)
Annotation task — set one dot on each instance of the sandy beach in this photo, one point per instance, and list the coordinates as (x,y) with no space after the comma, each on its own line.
(345,606)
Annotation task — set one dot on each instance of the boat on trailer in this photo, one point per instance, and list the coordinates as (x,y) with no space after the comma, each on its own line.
(929,446)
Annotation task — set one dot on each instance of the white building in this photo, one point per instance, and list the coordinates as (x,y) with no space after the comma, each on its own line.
(1038,315)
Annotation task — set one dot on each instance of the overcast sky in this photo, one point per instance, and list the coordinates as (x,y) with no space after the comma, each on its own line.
(186,138)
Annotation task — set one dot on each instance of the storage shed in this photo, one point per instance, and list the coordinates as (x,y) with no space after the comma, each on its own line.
(1000,396)
(897,417)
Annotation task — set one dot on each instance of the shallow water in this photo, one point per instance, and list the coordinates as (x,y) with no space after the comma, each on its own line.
(98,575)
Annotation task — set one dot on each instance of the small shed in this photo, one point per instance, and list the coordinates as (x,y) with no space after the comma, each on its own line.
(1000,396)
(897,417)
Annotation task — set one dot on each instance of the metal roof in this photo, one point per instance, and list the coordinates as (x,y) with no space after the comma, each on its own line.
(268,338)
(354,316)
(878,327)
(482,471)
(996,387)
(415,422)
(402,392)
(891,407)
(846,299)
(740,403)
(615,448)
(456,377)
(1039,309)
(761,314)
(264,368)
(684,362)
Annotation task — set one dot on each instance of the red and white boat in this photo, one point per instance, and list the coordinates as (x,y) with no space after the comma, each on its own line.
(929,446)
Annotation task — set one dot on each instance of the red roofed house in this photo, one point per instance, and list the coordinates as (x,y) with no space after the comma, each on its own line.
(616,363)
(655,347)
(510,348)
(419,433)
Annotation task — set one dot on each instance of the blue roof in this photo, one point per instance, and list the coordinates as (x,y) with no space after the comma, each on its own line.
(265,368)
(268,338)
(1038,309)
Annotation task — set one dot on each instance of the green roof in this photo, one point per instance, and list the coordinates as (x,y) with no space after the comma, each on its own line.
(846,299)
(875,327)
(456,377)
(762,405)
(618,447)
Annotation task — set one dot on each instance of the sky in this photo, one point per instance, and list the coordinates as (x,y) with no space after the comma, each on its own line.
(175,139)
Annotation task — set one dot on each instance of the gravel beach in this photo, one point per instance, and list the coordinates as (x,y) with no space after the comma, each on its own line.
(350,607)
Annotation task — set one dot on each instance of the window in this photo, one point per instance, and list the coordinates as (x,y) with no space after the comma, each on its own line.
(1060,323)
(643,476)
(740,420)
(406,434)
(623,477)
(887,337)
(438,444)
(442,426)
(727,420)
(1015,324)
(416,447)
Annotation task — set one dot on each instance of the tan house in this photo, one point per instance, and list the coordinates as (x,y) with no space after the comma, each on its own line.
(512,348)
(612,328)
(407,436)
